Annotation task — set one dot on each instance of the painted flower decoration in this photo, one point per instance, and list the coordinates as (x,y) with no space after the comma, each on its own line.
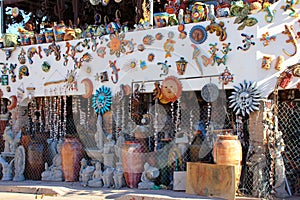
(117,44)
(245,98)
(102,100)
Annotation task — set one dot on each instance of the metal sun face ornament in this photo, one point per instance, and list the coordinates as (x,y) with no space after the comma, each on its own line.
(245,98)
(102,100)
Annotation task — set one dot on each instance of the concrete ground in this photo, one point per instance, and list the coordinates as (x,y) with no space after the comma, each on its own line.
(27,190)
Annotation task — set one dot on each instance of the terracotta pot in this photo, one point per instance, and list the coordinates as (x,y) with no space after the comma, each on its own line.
(71,153)
(133,160)
(228,151)
(35,160)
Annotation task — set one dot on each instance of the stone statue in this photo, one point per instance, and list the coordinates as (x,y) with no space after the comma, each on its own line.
(96,180)
(19,162)
(100,133)
(148,176)
(108,177)
(109,152)
(11,141)
(109,145)
(118,146)
(86,172)
(118,176)
(8,137)
(54,172)
(6,170)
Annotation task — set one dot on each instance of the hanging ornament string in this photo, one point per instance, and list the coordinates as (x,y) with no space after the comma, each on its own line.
(155,125)
(191,125)
(177,123)
(46,114)
(64,125)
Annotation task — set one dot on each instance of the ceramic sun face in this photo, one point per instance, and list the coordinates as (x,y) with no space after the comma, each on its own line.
(171,89)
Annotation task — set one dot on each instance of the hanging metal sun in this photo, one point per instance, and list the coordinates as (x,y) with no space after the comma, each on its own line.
(245,98)
(102,100)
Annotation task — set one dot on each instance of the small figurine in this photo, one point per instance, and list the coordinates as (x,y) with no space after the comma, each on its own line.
(96,180)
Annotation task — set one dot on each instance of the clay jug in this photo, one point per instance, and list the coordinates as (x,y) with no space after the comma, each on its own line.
(133,160)
(71,153)
(228,151)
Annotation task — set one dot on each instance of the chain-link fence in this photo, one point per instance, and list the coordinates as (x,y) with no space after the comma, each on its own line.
(289,123)
(177,133)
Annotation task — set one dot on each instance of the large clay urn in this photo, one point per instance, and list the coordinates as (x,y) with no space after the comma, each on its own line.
(71,153)
(133,160)
(35,164)
(228,151)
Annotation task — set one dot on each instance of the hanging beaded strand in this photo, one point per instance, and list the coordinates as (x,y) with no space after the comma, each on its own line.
(155,125)
(88,114)
(46,114)
(177,123)
(64,124)
(191,125)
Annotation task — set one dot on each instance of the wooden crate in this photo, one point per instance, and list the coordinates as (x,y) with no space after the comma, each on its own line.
(210,180)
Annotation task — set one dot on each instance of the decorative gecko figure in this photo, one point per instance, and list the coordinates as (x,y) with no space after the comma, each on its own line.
(247,42)
(196,53)
(164,68)
(292,39)
(210,60)
(94,43)
(115,71)
(269,17)
(225,51)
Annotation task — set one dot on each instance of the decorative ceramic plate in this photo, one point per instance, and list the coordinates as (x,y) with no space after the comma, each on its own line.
(210,92)
(198,34)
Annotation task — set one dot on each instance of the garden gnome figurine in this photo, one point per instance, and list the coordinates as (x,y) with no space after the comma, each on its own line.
(96,180)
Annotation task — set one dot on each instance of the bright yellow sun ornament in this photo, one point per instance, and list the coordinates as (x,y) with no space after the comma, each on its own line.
(117,44)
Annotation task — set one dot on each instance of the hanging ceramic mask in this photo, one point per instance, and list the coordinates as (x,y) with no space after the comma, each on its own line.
(210,92)
(102,100)
(105,2)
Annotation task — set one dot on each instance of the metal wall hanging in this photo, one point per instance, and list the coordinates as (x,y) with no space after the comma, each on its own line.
(291,39)
(266,38)
(245,98)
(102,100)
(247,42)
(210,92)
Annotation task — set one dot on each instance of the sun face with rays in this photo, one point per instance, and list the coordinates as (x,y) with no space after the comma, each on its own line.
(245,98)
(71,80)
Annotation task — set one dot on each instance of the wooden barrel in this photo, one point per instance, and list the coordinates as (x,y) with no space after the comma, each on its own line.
(228,151)
(133,160)
(71,154)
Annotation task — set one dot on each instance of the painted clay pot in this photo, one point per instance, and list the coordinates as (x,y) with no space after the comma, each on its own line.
(71,153)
